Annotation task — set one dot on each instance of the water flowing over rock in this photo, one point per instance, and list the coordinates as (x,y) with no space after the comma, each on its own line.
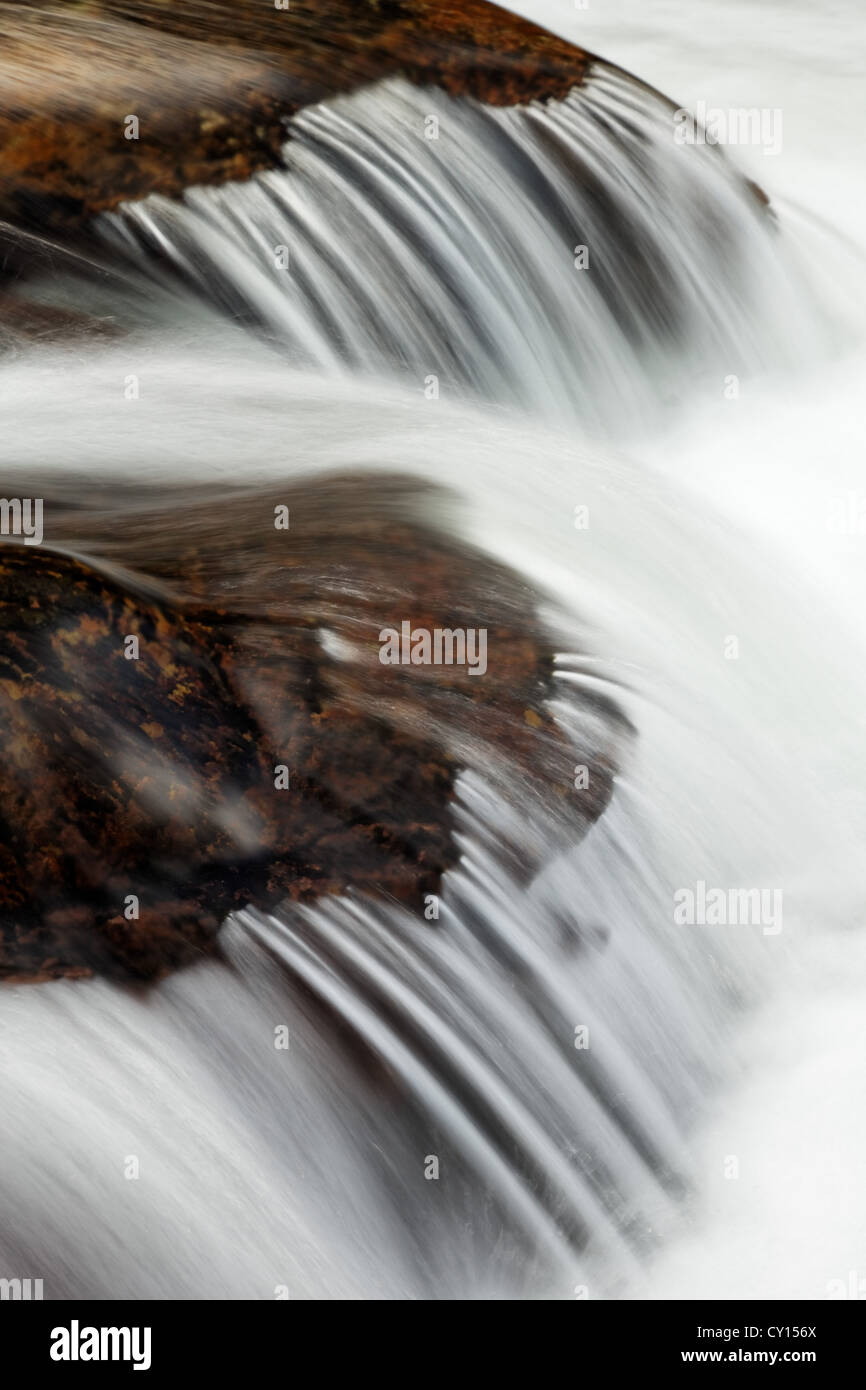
(197,719)
(210,83)
(425,605)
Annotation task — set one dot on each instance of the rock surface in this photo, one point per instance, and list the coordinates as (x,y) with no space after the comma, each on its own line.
(211,83)
(154,777)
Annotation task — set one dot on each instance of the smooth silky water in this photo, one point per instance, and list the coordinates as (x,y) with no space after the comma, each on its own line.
(564,1171)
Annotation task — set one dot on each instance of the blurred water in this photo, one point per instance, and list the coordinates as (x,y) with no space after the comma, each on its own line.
(381,248)
(785,465)
(560,1169)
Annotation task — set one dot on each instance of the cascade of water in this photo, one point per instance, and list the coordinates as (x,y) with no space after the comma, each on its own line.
(381,249)
(552,1037)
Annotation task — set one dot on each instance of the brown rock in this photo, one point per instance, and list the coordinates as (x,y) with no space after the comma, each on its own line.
(211,82)
(154,777)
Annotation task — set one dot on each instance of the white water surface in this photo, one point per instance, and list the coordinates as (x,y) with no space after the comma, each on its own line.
(710,518)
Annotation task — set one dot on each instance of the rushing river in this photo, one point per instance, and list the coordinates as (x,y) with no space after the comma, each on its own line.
(565,1089)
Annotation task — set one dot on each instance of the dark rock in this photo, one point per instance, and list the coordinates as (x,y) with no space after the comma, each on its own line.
(212,81)
(155,777)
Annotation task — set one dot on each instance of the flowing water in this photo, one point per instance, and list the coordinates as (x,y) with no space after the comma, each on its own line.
(432,320)
(401,251)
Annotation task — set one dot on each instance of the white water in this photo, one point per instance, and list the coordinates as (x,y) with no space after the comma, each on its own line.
(403,254)
(776,464)
(261,1168)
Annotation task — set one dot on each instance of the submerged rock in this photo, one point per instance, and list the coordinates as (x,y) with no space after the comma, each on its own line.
(194,710)
(195,716)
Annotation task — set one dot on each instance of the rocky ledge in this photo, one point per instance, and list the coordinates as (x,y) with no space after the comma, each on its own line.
(195,716)
(106,100)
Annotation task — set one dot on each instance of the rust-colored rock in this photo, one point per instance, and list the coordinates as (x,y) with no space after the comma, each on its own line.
(212,81)
(154,776)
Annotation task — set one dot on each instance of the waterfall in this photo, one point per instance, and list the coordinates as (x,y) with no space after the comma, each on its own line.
(500,1102)
(401,252)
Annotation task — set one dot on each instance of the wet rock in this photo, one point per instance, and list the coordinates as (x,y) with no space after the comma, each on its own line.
(195,717)
(106,100)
